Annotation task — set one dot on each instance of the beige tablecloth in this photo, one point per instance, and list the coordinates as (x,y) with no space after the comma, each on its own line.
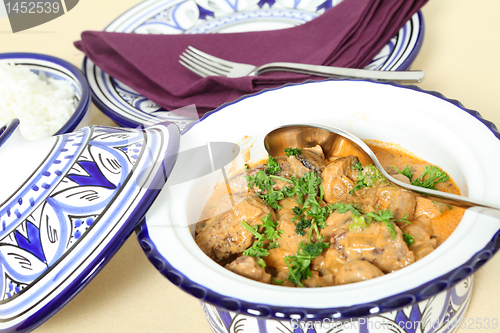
(460,56)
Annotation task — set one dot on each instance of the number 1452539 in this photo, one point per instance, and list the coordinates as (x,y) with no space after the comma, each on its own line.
(32,7)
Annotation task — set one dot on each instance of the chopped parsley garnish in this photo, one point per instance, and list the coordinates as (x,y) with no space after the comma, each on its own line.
(261,262)
(406,172)
(293,151)
(428,179)
(273,167)
(272,198)
(384,216)
(343,208)
(367,176)
(358,166)
(359,222)
(409,239)
(264,180)
(311,214)
(265,183)
(258,249)
(308,186)
(298,265)
(261,180)
(270,231)
(390,226)
(435,175)
(276,281)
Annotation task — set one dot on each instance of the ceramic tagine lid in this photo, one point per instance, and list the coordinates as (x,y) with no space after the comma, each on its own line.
(67,203)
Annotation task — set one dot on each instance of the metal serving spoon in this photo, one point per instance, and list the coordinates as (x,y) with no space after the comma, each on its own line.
(333,140)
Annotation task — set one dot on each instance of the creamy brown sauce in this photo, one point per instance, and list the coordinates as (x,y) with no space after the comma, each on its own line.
(446,222)
(352,251)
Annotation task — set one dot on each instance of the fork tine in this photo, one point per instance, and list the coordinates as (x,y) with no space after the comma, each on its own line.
(209,64)
(204,71)
(223,62)
(207,67)
(202,74)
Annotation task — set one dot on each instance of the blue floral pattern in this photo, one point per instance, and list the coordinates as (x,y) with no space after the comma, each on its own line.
(85,179)
(442,313)
(64,222)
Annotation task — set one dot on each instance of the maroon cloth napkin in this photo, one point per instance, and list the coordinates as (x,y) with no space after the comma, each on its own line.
(347,35)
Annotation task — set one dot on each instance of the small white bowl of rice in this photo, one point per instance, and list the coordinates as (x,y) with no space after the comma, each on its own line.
(48,95)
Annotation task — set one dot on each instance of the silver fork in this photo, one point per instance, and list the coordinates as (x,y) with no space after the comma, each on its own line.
(205,65)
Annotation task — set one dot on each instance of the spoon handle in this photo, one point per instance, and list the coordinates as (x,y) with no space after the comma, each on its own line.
(443,197)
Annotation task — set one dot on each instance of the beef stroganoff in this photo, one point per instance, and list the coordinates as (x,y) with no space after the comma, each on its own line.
(302,220)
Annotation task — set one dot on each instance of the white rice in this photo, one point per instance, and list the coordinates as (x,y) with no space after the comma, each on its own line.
(42,104)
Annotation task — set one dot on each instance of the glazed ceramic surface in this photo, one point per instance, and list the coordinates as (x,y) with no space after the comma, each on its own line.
(128,108)
(424,123)
(444,312)
(67,203)
(61,70)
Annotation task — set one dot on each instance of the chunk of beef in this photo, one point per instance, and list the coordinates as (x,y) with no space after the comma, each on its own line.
(306,162)
(423,240)
(391,171)
(276,265)
(339,178)
(356,271)
(287,204)
(289,239)
(374,244)
(328,263)
(285,169)
(386,196)
(335,221)
(316,280)
(238,183)
(315,150)
(400,202)
(223,236)
(248,267)
(429,208)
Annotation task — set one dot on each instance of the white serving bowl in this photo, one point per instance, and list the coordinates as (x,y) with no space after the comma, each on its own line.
(436,289)
(58,69)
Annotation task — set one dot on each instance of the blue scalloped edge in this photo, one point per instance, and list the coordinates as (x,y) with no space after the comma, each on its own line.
(387,304)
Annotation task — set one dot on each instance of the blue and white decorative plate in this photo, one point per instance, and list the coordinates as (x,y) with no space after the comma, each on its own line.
(130,109)
(67,204)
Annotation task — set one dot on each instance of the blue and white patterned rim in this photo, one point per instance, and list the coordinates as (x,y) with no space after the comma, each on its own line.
(391,303)
(7,130)
(59,69)
(442,313)
(130,109)
(67,219)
